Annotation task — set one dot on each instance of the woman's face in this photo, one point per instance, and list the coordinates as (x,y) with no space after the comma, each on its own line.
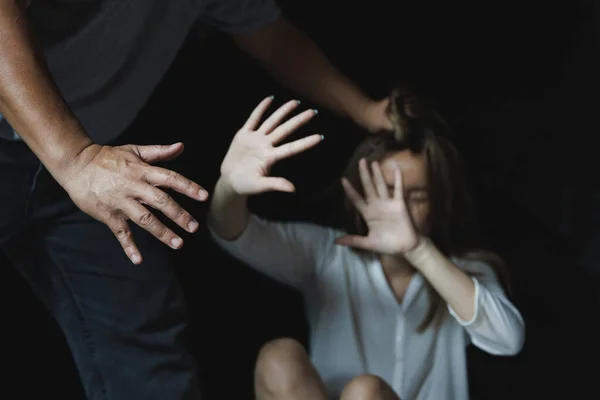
(414,182)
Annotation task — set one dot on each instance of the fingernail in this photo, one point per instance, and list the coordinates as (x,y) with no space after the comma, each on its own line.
(192,226)
(298,102)
(315,111)
(271,97)
(322,137)
(203,194)
(135,259)
(176,242)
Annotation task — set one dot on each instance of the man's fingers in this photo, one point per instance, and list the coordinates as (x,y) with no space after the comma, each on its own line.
(295,147)
(156,153)
(120,228)
(170,179)
(275,119)
(161,201)
(148,221)
(257,114)
(291,125)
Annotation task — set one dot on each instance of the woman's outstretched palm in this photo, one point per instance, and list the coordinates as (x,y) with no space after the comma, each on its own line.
(391,230)
(253,150)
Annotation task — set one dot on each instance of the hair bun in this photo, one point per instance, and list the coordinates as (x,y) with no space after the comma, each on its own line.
(404,106)
(410,117)
(397,115)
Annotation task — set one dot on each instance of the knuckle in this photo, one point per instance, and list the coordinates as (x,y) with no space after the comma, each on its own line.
(122,233)
(182,214)
(172,176)
(146,219)
(161,197)
(163,232)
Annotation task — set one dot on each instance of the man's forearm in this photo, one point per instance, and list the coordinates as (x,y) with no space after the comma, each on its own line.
(297,62)
(29,99)
(228,215)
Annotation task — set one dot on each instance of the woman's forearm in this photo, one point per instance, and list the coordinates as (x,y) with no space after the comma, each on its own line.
(453,284)
(228,216)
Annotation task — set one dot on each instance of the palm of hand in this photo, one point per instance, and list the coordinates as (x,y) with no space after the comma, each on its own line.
(247,163)
(390,227)
(253,150)
(391,230)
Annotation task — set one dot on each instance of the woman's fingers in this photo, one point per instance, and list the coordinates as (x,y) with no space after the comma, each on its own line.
(275,119)
(365,179)
(380,185)
(257,114)
(295,147)
(276,184)
(398,184)
(290,126)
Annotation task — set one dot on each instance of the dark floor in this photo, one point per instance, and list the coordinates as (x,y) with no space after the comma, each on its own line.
(510,78)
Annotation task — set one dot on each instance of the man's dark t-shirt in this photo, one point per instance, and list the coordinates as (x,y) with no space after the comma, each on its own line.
(107,56)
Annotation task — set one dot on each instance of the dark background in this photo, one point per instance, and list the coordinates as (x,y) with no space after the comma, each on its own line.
(518,82)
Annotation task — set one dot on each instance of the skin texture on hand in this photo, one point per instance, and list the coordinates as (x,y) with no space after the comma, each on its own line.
(113,185)
(254,149)
(375,117)
(391,230)
(245,168)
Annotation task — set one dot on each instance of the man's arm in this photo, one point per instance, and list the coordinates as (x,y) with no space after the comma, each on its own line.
(29,99)
(107,183)
(297,62)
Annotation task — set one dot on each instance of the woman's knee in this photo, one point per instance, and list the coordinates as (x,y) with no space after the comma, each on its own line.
(280,362)
(368,387)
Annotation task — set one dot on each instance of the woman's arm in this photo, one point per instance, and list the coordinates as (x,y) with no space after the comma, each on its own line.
(290,253)
(479,305)
(475,299)
(228,215)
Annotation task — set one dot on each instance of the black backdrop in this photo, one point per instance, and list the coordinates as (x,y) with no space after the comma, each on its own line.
(517,81)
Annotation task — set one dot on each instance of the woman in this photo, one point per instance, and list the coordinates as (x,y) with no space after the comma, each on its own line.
(394,300)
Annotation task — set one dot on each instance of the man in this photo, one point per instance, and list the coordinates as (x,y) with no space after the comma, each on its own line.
(73,75)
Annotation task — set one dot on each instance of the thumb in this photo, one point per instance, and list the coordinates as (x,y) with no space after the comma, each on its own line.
(360,242)
(156,153)
(276,184)
(388,126)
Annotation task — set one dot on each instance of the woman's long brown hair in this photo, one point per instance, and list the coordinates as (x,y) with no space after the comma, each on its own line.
(452,225)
